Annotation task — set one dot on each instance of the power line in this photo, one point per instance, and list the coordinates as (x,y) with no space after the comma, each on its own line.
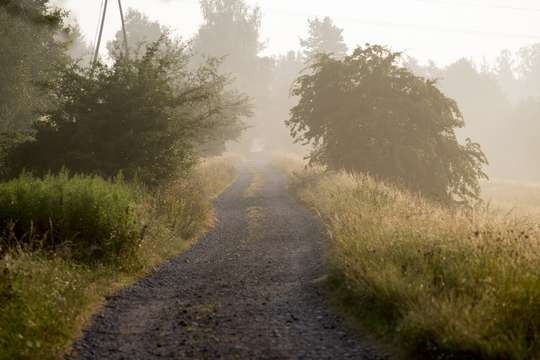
(369,21)
(498,7)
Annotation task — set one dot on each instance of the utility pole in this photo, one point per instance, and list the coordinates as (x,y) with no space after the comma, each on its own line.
(98,44)
(126,48)
(101,26)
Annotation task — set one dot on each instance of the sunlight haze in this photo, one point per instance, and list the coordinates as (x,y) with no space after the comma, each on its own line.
(439,30)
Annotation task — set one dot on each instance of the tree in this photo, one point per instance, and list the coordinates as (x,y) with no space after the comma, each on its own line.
(324,37)
(227,126)
(529,70)
(141,32)
(504,72)
(31,51)
(78,47)
(231,32)
(276,107)
(141,117)
(366,113)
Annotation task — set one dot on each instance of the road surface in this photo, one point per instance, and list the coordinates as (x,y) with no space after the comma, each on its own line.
(250,289)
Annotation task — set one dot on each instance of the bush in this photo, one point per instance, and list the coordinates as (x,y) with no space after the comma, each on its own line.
(449,284)
(89,217)
(143,117)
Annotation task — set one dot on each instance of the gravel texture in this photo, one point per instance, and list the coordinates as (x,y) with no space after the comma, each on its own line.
(250,289)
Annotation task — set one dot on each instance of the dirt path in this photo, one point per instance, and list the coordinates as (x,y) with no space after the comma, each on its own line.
(248,290)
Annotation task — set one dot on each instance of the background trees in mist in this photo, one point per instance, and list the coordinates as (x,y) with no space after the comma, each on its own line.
(498,103)
(323,37)
(141,32)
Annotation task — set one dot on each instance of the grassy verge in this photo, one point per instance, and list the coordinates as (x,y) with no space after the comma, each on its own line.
(444,284)
(47,295)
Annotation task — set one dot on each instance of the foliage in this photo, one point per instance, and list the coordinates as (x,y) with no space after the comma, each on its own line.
(448,284)
(91,219)
(141,32)
(324,37)
(77,45)
(230,29)
(368,114)
(47,299)
(41,302)
(188,213)
(231,32)
(140,117)
(30,51)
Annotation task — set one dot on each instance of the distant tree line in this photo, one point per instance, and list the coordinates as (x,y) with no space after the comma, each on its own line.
(500,104)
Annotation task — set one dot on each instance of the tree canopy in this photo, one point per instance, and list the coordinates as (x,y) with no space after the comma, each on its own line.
(324,37)
(366,113)
(31,51)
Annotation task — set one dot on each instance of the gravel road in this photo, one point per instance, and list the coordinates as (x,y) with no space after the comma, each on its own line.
(250,289)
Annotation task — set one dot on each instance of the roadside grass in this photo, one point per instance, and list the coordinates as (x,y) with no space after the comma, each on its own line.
(444,284)
(48,295)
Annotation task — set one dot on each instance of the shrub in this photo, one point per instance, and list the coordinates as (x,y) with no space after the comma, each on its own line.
(142,117)
(89,217)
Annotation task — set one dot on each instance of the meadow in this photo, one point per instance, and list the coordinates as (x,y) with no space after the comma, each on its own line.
(441,283)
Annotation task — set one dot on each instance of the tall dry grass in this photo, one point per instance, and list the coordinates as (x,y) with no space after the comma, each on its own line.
(446,283)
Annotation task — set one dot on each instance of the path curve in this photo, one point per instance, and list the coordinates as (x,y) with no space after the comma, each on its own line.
(247,290)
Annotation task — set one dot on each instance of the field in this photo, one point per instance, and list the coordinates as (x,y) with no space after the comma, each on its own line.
(47,296)
(512,197)
(440,283)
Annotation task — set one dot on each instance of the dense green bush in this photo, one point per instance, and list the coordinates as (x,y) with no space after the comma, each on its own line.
(87,217)
(143,117)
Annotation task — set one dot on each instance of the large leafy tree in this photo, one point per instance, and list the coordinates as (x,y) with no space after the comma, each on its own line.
(366,113)
(324,37)
(142,117)
(31,49)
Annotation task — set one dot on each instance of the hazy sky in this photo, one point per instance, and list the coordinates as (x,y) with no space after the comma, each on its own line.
(442,30)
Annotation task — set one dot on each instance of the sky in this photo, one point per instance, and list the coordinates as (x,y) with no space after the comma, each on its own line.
(439,30)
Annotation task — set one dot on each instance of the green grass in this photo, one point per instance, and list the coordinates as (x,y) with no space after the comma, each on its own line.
(92,219)
(47,296)
(443,284)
